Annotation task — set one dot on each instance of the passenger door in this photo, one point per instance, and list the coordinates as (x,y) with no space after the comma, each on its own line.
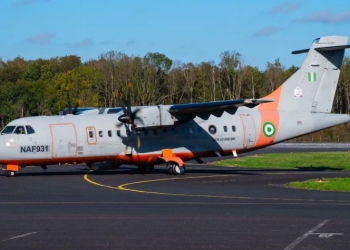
(249,131)
(64,140)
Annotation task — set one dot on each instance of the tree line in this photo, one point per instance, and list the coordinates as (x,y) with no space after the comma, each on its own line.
(43,86)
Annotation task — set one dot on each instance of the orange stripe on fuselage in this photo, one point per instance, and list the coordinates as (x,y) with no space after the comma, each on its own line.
(269,113)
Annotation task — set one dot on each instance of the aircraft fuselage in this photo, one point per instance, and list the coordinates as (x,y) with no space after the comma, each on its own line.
(94,138)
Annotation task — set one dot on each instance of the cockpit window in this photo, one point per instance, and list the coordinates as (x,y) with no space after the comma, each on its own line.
(8,130)
(20,130)
(30,130)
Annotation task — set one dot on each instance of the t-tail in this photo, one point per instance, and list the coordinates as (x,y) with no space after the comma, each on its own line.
(303,103)
(312,87)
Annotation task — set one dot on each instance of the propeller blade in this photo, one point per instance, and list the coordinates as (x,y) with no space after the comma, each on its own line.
(69,103)
(121,103)
(129,97)
(118,125)
(75,110)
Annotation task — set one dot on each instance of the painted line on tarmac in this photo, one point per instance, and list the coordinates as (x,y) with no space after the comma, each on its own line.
(301,238)
(20,236)
(123,187)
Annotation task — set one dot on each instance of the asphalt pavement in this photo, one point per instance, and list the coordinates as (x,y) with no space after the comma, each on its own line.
(209,207)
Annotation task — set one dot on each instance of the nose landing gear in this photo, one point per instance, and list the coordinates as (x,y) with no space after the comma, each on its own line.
(10,173)
(10,170)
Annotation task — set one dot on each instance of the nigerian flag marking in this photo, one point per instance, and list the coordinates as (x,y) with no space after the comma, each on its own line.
(311,76)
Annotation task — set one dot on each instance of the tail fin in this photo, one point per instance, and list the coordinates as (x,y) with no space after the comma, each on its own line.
(312,87)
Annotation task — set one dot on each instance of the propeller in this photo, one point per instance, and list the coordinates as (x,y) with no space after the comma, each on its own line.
(129,117)
(69,103)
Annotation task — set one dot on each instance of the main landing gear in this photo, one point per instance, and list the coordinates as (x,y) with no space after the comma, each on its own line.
(175,169)
(172,167)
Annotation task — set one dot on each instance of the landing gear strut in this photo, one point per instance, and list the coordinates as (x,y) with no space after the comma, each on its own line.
(175,169)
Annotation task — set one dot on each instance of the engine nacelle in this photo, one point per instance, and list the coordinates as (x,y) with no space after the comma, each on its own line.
(153,117)
(104,165)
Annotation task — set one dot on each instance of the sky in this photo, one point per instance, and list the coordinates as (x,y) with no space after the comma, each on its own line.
(189,31)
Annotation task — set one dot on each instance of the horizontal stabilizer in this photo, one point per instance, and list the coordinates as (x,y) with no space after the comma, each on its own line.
(329,48)
(197,108)
(333,48)
(300,51)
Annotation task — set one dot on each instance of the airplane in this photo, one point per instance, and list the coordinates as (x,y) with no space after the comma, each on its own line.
(174,134)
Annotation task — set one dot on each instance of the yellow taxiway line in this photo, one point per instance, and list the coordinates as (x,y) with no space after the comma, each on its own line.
(123,188)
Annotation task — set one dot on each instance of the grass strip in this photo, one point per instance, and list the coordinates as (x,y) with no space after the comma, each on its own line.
(327,184)
(301,161)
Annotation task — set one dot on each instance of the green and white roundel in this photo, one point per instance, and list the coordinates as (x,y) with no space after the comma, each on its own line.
(269,129)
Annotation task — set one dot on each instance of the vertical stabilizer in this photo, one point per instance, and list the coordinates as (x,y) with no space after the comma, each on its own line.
(312,87)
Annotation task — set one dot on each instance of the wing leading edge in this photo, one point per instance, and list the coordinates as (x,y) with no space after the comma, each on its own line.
(198,108)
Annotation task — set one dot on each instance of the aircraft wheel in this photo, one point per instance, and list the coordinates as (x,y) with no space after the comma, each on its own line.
(175,169)
(10,173)
(169,166)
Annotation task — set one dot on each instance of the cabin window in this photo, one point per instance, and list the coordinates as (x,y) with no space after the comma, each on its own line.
(29,129)
(182,131)
(118,132)
(100,133)
(225,128)
(212,129)
(199,130)
(145,132)
(233,128)
(190,130)
(91,134)
(155,132)
(109,133)
(165,131)
(173,131)
(8,130)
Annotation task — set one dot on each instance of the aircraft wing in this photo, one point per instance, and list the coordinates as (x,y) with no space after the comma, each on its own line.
(197,108)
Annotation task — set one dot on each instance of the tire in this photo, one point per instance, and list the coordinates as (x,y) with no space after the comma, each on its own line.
(175,169)
(10,173)
(169,166)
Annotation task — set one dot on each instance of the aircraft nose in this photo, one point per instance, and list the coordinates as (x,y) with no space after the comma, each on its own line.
(8,146)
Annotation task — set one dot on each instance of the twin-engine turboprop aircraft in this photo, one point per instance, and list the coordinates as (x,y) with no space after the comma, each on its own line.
(172,134)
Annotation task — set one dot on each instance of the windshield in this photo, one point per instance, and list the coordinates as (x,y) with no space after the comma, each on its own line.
(30,130)
(8,130)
